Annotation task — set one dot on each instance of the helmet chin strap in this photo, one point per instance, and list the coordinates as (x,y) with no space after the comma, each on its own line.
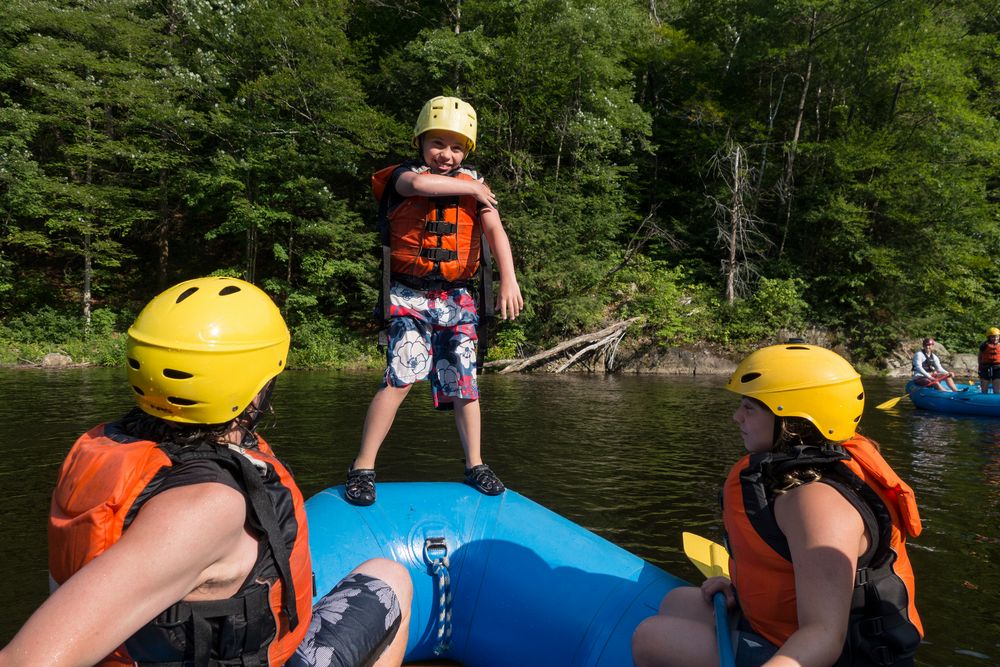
(778,426)
(249,420)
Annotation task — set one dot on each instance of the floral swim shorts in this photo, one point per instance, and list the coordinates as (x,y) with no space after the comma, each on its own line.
(432,335)
(351,625)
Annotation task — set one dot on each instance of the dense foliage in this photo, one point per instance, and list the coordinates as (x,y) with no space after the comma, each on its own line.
(723,169)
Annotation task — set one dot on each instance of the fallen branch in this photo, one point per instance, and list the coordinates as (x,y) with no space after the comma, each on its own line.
(590,342)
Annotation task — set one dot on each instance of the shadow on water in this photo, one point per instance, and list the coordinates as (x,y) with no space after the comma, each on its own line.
(637,459)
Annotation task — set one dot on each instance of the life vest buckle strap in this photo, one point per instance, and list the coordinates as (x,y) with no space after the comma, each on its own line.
(439,254)
(871,627)
(441,227)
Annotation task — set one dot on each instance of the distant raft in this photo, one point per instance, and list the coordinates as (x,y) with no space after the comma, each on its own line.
(969,401)
(498,581)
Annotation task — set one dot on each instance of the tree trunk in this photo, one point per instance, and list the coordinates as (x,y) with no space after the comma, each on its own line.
(88,262)
(609,336)
(734,229)
(163,235)
(789,177)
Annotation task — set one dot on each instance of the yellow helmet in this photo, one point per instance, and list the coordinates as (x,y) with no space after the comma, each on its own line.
(447,113)
(993,331)
(201,351)
(807,381)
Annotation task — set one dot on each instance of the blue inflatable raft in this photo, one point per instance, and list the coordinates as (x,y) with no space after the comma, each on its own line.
(969,401)
(526,586)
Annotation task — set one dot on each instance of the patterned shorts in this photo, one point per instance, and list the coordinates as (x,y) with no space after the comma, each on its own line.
(351,625)
(432,335)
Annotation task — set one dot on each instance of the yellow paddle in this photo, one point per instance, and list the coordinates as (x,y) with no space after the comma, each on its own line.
(891,403)
(712,560)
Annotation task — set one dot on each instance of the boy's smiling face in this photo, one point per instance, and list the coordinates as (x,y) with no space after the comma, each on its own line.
(443,150)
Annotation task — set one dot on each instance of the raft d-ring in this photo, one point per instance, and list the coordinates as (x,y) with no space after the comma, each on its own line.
(436,550)
(436,555)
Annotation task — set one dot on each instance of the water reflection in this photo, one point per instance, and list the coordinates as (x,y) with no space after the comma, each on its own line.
(956,469)
(637,459)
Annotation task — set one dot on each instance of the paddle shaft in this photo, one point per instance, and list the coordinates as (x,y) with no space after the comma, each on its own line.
(725,642)
(712,560)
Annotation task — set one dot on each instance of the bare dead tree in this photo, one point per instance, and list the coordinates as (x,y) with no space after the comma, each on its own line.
(738,227)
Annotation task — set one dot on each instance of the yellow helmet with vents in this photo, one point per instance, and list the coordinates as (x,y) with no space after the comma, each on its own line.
(447,113)
(202,350)
(797,380)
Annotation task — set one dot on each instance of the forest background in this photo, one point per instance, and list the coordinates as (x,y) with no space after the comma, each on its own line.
(722,169)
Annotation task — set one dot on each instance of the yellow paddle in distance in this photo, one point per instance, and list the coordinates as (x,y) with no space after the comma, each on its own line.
(891,403)
(712,560)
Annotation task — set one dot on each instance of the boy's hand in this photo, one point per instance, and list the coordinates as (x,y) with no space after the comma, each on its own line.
(484,195)
(509,301)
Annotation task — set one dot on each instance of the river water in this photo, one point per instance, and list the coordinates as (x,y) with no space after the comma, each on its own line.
(637,459)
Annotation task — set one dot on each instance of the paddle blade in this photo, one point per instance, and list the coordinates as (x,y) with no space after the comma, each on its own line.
(891,403)
(710,558)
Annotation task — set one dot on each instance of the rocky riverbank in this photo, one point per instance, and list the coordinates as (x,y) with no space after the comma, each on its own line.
(646,357)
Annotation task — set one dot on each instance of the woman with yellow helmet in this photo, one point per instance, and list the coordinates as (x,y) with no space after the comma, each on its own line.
(989,362)
(816,523)
(177,537)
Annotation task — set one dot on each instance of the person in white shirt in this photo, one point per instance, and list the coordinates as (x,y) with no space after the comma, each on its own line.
(927,369)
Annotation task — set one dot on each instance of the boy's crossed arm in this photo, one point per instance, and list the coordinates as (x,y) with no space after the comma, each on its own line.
(410,184)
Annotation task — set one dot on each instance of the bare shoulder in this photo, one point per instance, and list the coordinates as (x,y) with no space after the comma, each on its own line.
(817,513)
(199,507)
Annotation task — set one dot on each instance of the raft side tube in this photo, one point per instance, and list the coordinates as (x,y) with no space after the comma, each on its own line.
(529,587)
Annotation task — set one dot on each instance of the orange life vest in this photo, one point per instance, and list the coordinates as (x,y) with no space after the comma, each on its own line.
(102,484)
(761,566)
(989,354)
(432,237)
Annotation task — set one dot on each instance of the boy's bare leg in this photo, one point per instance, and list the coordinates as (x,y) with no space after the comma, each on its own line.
(378,421)
(468,422)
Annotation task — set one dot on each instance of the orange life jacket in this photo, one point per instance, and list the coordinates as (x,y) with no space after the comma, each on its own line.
(761,566)
(989,354)
(432,237)
(102,484)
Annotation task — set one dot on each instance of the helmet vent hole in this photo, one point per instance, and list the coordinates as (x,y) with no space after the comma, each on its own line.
(857,419)
(181,401)
(229,289)
(186,293)
(861,396)
(749,377)
(796,347)
(133,363)
(138,391)
(176,375)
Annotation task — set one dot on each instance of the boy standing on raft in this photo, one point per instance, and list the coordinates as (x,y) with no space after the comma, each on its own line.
(436,212)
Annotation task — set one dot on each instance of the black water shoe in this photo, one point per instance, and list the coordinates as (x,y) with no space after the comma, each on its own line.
(360,486)
(484,480)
